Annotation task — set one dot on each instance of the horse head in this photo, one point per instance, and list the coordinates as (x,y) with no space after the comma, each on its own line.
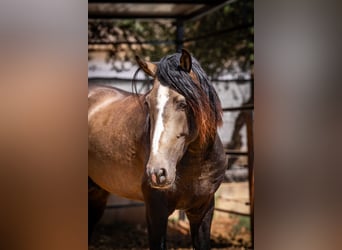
(173,107)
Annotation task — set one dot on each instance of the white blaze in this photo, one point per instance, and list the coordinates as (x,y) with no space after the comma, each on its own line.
(162,98)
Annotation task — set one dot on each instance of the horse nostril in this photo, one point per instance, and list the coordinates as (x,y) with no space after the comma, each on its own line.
(161,173)
(158,176)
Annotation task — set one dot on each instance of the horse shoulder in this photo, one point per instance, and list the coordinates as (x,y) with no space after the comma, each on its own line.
(116,125)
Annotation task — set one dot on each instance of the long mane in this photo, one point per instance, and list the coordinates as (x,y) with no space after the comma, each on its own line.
(205,106)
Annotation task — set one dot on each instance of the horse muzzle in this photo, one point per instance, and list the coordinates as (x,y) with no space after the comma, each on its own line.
(159,178)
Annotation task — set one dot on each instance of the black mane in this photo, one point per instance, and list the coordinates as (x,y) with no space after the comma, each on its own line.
(200,95)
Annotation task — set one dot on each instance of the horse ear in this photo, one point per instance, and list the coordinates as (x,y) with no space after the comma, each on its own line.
(185,61)
(148,67)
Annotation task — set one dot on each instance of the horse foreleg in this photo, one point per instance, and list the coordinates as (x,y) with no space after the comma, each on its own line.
(156,216)
(200,224)
(97,200)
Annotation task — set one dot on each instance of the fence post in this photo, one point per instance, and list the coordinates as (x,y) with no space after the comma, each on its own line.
(250,145)
(179,34)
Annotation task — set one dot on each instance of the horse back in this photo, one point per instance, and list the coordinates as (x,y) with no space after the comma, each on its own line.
(98,92)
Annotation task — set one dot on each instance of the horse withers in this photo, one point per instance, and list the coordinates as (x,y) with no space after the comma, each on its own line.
(161,147)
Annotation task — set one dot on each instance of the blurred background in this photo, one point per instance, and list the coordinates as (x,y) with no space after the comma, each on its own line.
(43,150)
(220,35)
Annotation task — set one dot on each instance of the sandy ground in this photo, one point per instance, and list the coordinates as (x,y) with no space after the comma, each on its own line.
(229,231)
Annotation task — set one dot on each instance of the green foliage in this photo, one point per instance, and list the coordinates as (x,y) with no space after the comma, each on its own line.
(218,53)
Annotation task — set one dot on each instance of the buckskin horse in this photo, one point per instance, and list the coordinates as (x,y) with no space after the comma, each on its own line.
(161,147)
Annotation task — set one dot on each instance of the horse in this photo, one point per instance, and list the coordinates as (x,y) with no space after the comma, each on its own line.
(161,147)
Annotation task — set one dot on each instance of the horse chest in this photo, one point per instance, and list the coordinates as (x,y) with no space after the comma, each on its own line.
(196,183)
(190,194)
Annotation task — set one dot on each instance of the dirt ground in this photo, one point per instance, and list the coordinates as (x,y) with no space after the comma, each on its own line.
(229,231)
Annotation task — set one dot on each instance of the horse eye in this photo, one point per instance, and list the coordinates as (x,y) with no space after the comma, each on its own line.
(181,105)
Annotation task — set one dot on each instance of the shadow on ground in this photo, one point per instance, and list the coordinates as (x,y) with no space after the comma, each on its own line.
(128,236)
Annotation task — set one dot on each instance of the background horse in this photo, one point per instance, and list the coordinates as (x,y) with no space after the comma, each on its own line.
(161,147)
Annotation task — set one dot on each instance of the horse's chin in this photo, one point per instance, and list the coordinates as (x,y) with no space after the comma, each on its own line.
(163,187)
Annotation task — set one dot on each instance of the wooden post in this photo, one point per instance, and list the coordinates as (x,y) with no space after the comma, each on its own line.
(179,35)
(250,145)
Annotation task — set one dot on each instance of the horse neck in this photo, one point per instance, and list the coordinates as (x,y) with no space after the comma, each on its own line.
(199,149)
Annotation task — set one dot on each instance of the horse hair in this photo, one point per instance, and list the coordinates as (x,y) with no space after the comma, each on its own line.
(205,106)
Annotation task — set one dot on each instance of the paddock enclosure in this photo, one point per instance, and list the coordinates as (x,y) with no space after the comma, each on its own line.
(219,34)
